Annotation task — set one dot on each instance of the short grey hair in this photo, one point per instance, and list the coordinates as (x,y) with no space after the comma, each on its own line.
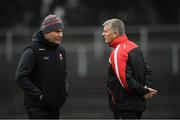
(116,25)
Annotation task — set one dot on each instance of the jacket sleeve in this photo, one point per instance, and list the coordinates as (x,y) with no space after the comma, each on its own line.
(137,73)
(134,86)
(148,75)
(66,72)
(24,72)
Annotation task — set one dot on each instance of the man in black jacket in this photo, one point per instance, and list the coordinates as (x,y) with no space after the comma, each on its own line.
(41,71)
(130,79)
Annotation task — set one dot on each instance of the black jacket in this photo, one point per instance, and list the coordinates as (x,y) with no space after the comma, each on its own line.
(42,70)
(128,76)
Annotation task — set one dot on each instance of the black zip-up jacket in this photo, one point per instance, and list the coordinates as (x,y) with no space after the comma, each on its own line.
(128,76)
(42,71)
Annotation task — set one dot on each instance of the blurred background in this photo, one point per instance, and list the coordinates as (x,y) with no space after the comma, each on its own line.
(152,24)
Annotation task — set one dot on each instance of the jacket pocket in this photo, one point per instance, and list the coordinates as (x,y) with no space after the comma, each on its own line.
(112,97)
(115,92)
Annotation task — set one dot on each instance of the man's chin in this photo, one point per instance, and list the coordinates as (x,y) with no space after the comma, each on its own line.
(58,42)
(107,42)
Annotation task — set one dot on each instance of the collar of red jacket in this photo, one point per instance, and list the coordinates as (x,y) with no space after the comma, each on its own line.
(118,40)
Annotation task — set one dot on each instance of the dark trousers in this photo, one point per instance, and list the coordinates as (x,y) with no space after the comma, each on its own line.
(124,114)
(42,113)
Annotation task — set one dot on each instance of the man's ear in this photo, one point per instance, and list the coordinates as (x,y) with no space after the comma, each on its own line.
(115,34)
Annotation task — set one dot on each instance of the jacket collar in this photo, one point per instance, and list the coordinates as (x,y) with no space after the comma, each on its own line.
(39,37)
(118,40)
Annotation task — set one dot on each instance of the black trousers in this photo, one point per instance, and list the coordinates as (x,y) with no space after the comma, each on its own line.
(42,113)
(124,114)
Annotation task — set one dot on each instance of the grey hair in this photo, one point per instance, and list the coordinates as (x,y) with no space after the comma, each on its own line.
(116,25)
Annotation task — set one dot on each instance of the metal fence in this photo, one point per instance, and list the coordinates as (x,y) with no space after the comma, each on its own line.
(87,58)
(83,39)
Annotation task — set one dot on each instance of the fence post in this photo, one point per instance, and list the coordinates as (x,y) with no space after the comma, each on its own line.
(9,41)
(144,41)
(98,45)
(82,60)
(175,61)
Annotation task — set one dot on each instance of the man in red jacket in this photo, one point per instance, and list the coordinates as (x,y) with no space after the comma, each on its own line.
(129,77)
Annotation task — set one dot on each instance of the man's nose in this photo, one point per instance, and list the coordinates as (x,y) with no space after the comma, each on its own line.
(102,34)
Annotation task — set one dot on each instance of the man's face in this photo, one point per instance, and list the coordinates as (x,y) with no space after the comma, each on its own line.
(107,34)
(55,36)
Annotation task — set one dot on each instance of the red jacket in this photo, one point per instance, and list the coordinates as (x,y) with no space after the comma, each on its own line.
(128,75)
